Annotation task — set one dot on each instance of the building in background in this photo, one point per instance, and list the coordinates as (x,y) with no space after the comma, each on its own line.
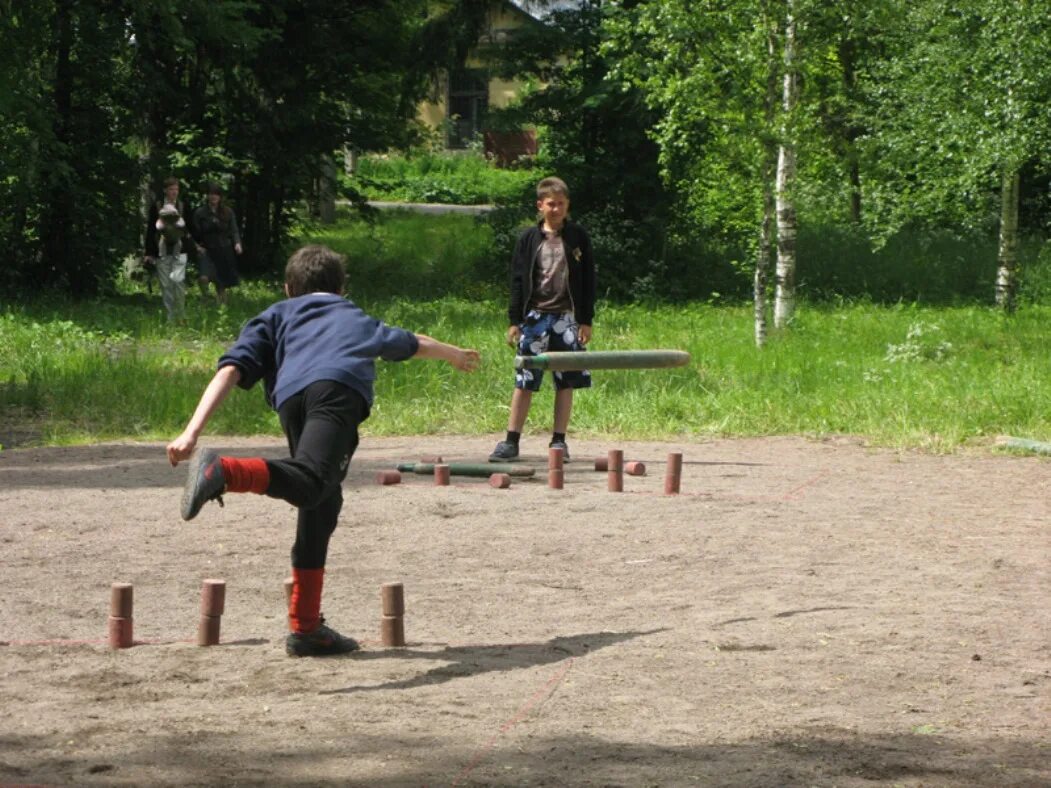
(463,97)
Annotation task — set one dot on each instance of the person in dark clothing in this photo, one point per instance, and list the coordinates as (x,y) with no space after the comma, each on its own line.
(218,243)
(552,306)
(315,353)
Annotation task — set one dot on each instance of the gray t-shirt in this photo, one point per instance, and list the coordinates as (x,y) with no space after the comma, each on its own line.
(551,276)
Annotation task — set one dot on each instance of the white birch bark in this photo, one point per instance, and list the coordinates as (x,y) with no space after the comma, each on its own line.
(766,228)
(785,291)
(762,265)
(1007,254)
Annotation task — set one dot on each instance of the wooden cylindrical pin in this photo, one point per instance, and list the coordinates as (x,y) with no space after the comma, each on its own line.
(432,459)
(441,475)
(602,464)
(213,597)
(615,472)
(673,474)
(290,583)
(500,481)
(392,631)
(388,477)
(635,468)
(392,597)
(556,478)
(555,458)
(120,632)
(208,630)
(121,599)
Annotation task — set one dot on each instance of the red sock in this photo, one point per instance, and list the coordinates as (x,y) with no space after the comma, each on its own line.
(245,475)
(304,609)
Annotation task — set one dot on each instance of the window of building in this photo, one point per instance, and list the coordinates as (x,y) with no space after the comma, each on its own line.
(467,105)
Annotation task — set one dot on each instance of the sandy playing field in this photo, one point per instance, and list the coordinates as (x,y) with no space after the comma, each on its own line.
(804,613)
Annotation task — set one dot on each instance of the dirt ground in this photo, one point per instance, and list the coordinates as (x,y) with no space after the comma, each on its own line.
(804,613)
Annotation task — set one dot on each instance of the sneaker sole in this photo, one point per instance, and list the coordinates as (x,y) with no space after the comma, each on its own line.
(297,655)
(189,491)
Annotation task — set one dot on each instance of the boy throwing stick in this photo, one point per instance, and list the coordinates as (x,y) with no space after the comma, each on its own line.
(552,305)
(315,353)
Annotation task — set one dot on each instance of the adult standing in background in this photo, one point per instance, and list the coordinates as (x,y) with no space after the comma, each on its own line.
(165,248)
(218,241)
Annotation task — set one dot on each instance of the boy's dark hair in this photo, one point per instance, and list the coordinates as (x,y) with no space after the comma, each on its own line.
(550,186)
(214,187)
(172,181)
(315,269)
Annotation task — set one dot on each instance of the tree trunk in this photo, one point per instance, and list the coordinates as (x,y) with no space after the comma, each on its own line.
(326,198)
(264,218)
(762,262)
(58,218)
(785,295)
(1007,255)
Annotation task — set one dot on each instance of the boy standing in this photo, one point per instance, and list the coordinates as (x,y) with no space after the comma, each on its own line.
(552,306)
(315,353)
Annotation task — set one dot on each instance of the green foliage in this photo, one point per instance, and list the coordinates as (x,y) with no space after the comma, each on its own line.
(400,253)
(64,177)
(100,101)
(954,108)
(660,115)
(442,177)
(594,133)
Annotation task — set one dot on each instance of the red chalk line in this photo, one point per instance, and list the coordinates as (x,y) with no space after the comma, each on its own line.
(543,693)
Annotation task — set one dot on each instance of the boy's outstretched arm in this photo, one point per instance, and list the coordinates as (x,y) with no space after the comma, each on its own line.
(214,393)
(461,358)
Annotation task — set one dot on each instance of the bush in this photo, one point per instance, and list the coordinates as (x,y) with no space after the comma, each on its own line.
(411,255)
(448,178)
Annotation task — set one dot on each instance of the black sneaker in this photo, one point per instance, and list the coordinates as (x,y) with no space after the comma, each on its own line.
(322,642)
(505,451)
(204,482)
(560,445)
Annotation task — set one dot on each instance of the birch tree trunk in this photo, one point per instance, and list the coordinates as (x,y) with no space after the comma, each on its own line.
(766,227)
(785,293)
(56,227)
(762,264)
(1007,254)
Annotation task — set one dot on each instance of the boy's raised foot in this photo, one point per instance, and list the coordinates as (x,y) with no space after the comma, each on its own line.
(505,451)
(204,482)
(560,445)
(322,642)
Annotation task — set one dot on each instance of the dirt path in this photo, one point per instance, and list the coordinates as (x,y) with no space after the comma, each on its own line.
(805,613)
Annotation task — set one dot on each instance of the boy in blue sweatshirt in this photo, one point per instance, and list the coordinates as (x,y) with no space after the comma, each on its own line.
(315,353)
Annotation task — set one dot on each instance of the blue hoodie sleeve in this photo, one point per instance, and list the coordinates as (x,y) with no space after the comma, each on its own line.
(397,343)
(253,352)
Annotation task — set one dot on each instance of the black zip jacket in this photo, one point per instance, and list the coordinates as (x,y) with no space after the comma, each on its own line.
(581,272)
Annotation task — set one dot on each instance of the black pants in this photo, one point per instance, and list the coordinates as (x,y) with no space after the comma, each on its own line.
(321,424)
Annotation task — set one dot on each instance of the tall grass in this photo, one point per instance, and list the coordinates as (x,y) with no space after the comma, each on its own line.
(400,253)
(932,377)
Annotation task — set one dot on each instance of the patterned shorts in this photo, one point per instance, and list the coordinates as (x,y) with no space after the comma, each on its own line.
(541,333)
